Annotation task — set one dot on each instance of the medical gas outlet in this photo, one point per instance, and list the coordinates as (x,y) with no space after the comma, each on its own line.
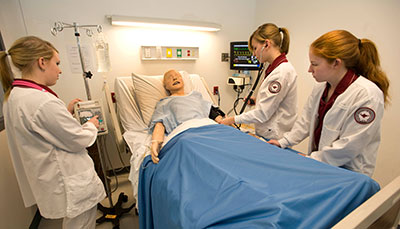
(84,111)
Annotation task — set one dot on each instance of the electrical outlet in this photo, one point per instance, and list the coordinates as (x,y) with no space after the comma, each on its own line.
(147,53)
(225,57)
(215,90)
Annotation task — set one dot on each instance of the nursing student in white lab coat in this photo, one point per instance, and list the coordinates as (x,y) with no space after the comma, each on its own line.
(47,145)
(276,100)
(343,114)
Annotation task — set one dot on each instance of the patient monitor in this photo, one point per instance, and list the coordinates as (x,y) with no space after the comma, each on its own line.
(243,61)
(84,111)
(241,58)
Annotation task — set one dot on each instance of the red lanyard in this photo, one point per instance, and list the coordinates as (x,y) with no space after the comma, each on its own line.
(31,84)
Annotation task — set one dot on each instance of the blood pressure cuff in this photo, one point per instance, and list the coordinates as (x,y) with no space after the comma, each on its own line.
(214,112)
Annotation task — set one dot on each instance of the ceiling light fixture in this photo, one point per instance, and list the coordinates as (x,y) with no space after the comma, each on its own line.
(164,23)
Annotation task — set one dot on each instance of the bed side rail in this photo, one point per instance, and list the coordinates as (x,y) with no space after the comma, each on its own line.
(382,210)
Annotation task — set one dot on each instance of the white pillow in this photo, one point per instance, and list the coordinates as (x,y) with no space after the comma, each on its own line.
(127,109)
(148,90)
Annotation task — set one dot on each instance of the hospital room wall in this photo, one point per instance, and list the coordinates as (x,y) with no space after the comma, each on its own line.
(37,17)
(13,214)
(373,19)
(124,42)
(25,17)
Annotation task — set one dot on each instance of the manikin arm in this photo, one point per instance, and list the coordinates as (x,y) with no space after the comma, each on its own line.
(156,141)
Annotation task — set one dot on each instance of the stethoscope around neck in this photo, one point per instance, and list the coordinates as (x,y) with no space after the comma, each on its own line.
(260,71)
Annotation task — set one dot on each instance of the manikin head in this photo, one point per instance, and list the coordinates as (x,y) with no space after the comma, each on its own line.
(173,82)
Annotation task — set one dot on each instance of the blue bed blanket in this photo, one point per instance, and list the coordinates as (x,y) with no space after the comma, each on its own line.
(218,177)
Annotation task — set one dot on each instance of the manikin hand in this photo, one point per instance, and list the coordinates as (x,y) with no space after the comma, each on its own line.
(155,148)
(218,119)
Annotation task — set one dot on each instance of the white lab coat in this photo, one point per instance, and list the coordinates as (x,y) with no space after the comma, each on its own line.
(48,150)
(276,105)
(346,140)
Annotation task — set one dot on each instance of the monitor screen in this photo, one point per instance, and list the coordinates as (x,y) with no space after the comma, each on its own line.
(241,58)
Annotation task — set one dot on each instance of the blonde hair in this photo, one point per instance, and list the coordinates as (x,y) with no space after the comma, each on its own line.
(24,52)
(360,55)
(272,32)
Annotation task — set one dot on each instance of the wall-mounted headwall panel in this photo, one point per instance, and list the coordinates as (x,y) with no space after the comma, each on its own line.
(169,53)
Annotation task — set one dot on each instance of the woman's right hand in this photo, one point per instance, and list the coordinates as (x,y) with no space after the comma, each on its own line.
(274,142)
(252,101)
(95,121)
(228,121)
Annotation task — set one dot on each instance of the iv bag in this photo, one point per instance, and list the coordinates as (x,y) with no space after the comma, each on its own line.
(102,54)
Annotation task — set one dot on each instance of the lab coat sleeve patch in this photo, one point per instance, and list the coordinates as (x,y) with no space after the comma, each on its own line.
(364,115)
(274,87)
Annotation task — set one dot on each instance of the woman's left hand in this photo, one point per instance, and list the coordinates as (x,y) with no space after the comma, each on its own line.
(72,104)
(274,142)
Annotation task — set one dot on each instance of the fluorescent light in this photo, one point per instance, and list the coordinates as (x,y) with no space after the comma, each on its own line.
(164,23)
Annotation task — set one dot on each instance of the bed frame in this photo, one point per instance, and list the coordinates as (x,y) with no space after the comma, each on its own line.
(116,126)
(380,211)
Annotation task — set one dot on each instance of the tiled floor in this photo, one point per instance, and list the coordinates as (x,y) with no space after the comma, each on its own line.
(129,220)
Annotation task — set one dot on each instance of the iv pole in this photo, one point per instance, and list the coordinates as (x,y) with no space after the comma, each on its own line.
(58,27)
(114,212)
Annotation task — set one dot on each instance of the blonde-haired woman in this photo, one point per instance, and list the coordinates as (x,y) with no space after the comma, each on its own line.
(276,100)
(343,115)
(47,145)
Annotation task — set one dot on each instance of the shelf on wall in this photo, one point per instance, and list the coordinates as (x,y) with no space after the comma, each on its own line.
(169,53)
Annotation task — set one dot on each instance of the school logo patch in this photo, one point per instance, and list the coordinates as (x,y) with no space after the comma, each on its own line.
(364,115)
(274,87)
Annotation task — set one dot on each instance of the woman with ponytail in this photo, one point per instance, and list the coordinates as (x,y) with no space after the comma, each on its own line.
(47,145)
(343,115)
(276,101)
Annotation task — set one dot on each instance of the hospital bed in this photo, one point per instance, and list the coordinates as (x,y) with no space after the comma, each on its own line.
(212,175)
(136,97)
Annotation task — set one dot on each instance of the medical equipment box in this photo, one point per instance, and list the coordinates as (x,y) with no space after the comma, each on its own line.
(85,110)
